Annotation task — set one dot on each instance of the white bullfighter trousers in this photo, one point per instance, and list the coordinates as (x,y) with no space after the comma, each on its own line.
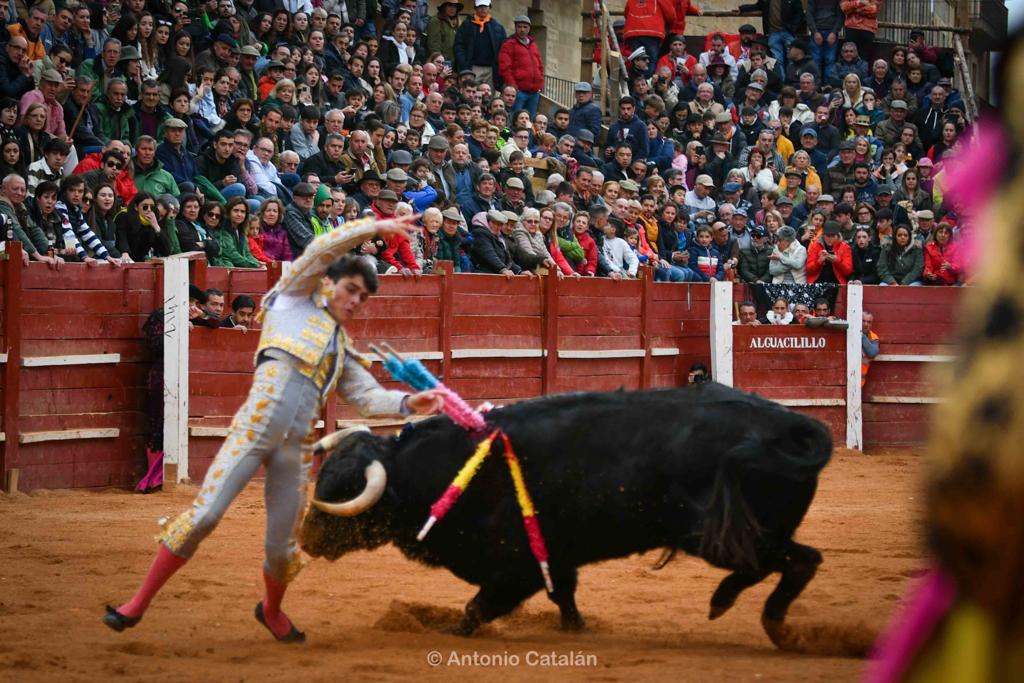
(273,428)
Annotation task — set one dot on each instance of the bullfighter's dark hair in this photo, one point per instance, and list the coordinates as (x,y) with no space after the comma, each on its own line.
(354,265)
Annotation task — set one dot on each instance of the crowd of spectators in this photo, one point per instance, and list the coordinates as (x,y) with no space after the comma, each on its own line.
(780,158)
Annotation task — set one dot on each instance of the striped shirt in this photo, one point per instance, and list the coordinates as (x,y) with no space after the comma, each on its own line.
(38,171)
(86,241)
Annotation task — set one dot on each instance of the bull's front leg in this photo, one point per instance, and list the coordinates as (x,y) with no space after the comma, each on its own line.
(492,601)
(565,597)
(730,588)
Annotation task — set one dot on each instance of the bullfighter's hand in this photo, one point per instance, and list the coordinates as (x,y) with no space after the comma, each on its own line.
(393,226)
(426,402)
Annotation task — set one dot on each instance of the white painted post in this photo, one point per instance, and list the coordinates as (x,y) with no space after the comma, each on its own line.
(854,412)
(175,369)
(721,332)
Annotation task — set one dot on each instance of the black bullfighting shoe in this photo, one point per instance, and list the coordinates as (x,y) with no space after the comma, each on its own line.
(293,636)
(118,621)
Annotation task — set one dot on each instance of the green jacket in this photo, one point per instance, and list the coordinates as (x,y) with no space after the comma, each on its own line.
(908,266)
(156,180)
(441,38)
(754,264)
(449,249)
(571,249)
(93,68)
(171,228)
(121,125)
(32,238)
(234,250)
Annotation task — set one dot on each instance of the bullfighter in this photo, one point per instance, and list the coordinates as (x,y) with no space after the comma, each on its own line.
(304,355)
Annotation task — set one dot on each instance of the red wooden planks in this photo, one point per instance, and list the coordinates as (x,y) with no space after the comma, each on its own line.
(81,326)
(463,325)
(495,367)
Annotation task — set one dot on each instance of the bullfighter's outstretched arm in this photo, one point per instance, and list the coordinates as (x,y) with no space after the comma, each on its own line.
(358,387)
(303,277)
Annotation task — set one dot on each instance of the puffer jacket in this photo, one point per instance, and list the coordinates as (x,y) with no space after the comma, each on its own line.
(861,17)
(648,18)
(934,256)
(521,66)
(682,7)
(907,267)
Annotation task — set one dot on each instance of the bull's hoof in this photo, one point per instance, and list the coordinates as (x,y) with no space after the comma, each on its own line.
(464,628)
(573,623)
(778,632)
(717,611)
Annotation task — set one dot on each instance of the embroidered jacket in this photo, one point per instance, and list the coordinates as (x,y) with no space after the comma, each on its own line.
(296,322)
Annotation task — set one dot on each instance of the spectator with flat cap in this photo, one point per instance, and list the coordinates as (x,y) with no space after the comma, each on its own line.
(888,130)
(489,252)
(172,153)
(585,114)
(297,220)
(248,87)
(50,85)
(520,66)
(584,146)
(443,180)
(220,56)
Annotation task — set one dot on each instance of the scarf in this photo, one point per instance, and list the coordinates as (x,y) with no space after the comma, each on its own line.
(480,22)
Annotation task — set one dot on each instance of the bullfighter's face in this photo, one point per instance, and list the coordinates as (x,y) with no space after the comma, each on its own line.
(349,295)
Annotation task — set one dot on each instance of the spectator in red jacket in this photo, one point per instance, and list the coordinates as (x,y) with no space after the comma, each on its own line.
(677,60)
(829,258)
(646,21)
(942,263)
(682,8)
(520,65)
(581,229)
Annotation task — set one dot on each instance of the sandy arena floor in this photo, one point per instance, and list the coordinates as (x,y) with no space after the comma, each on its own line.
(64,554)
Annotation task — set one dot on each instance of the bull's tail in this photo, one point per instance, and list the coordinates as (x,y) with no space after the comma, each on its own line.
(731,531)
(732,535)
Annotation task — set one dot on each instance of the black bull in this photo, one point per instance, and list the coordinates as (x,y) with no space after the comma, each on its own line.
(712,471)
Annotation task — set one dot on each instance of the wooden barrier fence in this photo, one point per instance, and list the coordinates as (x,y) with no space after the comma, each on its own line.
(489,338)
(75,362)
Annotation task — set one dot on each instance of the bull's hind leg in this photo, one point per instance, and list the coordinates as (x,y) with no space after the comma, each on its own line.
(565,597)
(730,588)
(798,566)
(494,600)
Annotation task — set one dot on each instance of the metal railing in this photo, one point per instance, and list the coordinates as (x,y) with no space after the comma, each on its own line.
(922,14)
(561,91)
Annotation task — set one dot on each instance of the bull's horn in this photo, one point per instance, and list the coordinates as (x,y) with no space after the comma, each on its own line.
(331,441)
(376,481)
